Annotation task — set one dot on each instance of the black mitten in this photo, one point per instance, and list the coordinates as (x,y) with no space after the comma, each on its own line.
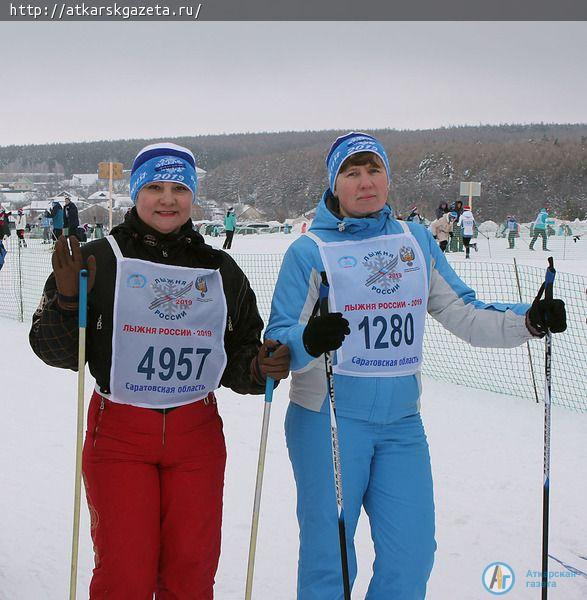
(547,314)
(325,333)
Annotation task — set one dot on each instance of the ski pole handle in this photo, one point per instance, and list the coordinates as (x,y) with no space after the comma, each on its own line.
(323,294)
(269,385)
(83,298)
(549,279)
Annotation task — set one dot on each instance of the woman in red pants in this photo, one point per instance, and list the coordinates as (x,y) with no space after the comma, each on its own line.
(170,320)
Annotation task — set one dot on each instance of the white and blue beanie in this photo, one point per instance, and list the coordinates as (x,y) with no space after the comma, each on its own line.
(353,143)
(163,162)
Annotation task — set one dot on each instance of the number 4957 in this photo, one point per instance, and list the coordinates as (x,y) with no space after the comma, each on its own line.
(182,366)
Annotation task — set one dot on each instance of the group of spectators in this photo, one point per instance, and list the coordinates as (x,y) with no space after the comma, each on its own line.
(20,225)
(54,222)
(454,227)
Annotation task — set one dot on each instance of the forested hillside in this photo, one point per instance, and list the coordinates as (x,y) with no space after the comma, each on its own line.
(521,167)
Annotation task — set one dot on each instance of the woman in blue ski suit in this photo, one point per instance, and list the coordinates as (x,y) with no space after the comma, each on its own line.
(384,275)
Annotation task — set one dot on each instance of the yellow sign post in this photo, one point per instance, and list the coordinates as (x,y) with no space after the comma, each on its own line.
(111,171)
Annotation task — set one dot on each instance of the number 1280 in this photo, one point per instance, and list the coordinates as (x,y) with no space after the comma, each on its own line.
(401,330)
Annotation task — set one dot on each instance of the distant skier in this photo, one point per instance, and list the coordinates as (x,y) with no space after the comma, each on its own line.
(229,228)
(384,276)
(512,228)
(467,224)
(540,224)
(20,227)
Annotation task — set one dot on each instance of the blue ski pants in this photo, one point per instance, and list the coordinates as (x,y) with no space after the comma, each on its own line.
(386,470)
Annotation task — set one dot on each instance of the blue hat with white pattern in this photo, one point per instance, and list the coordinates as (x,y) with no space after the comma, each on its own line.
(349,144)
(163,162)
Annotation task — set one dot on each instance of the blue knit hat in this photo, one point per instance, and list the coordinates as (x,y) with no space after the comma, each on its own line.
(163,162)
(353,143)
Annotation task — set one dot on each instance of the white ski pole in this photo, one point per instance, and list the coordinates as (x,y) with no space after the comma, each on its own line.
(258,486)
(81,367)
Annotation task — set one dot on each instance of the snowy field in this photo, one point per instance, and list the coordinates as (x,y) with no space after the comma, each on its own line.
(486,453)
(569,256)
(487,461)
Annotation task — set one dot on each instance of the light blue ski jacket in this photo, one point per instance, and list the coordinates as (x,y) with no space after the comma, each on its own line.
(542,220)
(450,301)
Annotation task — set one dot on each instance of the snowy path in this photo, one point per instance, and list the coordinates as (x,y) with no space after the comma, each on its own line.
(487,459)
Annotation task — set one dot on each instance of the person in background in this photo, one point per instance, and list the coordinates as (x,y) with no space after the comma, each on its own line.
(466,223)
(56,214)
(442,209)
(375,265)
(513,231)
(45,219)
(2,253)
(441,229)
(414,216)
(98,230)
(71,218)
(541,222)
(170,320)
(20,226)
(456,241)
(4,223)
(229,228)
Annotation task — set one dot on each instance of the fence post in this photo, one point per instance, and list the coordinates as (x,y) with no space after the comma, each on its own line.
(527,343)
(20,300)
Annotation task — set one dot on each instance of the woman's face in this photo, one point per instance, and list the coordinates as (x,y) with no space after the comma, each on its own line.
(362,189)
(164,205)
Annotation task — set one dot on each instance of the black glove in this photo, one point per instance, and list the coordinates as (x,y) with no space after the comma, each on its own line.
(325,333)
(546,314)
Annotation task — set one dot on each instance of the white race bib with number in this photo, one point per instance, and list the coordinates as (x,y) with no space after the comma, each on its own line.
(380,285)
(168,333)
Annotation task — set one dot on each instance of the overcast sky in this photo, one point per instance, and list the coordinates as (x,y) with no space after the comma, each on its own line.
(88,81)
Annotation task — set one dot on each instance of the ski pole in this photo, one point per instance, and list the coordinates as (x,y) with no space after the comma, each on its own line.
(81,367)
(547,287)
(258,485)
(323,303)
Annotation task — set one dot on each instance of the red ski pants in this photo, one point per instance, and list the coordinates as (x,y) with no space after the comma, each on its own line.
(154,486)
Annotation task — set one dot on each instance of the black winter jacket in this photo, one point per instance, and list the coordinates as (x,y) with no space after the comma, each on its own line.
(70,217)
(54,332)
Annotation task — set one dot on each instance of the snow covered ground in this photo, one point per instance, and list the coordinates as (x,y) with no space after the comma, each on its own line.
(487,461)
(486,453)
